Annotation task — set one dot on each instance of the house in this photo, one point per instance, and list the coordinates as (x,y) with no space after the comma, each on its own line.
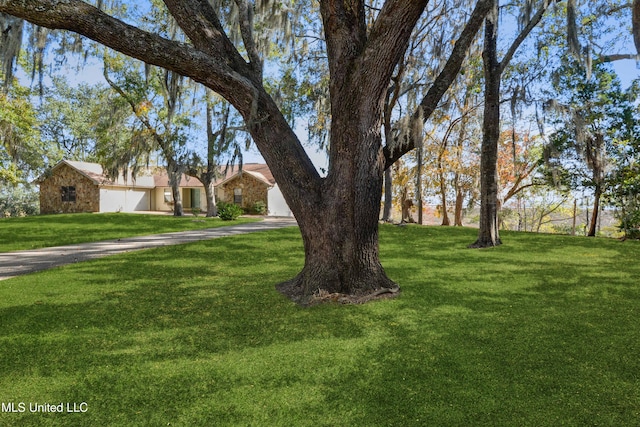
(83,187)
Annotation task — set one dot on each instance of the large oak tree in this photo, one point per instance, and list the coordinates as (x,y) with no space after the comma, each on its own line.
(337,214)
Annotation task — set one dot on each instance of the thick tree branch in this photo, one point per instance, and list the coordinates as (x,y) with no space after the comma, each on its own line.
(345,33)
(635,20)
(246,30)
(82,18)
(442,82)
(615,57)
(200,23)
(389,38)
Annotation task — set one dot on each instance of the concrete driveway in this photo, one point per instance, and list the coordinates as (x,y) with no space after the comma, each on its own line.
(23,262)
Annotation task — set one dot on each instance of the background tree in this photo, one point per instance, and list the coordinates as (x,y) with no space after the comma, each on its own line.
(66,117)
(488,233)
(586,108)
(223,149)
(156,99)
(22,155)
(624,182)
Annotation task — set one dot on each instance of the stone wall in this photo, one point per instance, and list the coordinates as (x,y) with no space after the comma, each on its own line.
(253,190)
(87,192)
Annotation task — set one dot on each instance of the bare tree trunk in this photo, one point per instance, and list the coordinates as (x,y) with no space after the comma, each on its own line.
(593,224)
(575,214)
(388,195)
(340,231)
(459,202)
(174,180)
(209,191)
(419,168)
(488,233)
(635,21)
(443,198)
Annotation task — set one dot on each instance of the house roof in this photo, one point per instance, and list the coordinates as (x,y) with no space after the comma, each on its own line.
(95,173)
(259,171)
(161,179)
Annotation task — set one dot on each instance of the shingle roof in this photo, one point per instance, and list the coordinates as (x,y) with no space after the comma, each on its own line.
(95,173)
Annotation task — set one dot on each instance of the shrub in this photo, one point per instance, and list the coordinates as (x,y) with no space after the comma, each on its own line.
(18,201)
(259,208)
(229,211)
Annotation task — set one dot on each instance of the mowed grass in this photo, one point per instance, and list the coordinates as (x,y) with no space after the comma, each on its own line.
(542,331)
(67,229)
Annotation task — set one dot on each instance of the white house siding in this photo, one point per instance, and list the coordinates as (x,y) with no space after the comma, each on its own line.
(277,205)
(124,200)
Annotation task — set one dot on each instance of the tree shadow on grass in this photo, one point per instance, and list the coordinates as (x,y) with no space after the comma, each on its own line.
(476,338)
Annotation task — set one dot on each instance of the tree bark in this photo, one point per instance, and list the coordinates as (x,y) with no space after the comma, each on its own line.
(635,22)
(419,168)
(593,224)
(443,187)
(175,176)
(209,192)
(388,195)
(459,202)
(488,234)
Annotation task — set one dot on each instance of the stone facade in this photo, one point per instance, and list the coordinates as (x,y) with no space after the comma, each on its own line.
(251,190)
(87,193)
(73,186)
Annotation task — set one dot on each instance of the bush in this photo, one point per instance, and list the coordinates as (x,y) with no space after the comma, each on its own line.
(229,211)
(259,208)
(18,201)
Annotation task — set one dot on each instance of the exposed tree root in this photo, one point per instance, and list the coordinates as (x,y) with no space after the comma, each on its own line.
(481,244)
(323,297)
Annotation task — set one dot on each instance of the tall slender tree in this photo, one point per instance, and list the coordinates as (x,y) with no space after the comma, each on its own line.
(488,233)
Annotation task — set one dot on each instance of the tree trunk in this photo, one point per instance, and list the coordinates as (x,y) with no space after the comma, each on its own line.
(635,21)
(488,234)
(388,195)
(340,233)
(175,176)
(209,191)
(341,251)
(459,202)
(593,224)
(419,168)
(443,198)
(443,184)
(177,201)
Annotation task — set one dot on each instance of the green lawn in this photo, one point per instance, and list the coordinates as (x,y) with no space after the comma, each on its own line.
(56,230)
(542,331)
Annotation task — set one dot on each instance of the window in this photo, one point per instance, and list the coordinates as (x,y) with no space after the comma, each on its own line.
(237,196)
(168,195)
(68,194)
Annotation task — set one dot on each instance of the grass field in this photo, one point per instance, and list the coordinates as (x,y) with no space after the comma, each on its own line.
(542,331)
(67,229)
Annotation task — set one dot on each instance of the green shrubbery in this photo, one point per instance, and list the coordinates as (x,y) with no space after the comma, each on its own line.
(18,201)
(259,208)
(229,211)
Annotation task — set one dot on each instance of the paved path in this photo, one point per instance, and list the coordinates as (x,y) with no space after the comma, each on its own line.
(22,262)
